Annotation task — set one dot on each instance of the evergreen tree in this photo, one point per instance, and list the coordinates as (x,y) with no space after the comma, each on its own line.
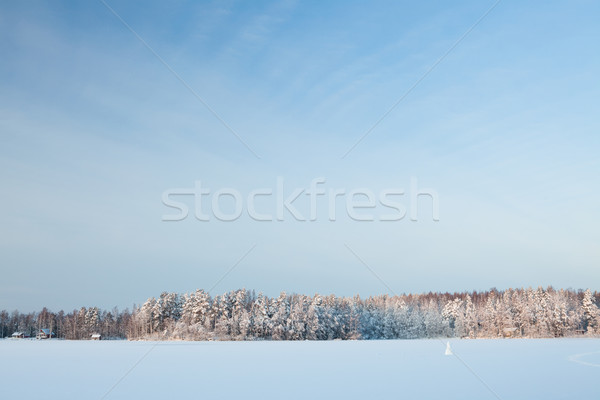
(591,314)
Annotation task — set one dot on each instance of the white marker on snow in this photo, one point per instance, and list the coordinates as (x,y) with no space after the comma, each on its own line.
(448,349)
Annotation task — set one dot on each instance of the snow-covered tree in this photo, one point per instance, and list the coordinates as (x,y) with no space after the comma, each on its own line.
(195,307)
(280,317)
(591,314)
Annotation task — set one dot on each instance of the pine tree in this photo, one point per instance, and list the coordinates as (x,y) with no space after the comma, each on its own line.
(470,318)
(453,313)
(591,314)
(296,327)
(280,317)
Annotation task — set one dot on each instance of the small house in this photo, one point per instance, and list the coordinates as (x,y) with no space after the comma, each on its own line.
(509,332)
(18,335)
(96,336)
(45,334)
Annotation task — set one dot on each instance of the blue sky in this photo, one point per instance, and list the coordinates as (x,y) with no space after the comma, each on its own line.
(94,128)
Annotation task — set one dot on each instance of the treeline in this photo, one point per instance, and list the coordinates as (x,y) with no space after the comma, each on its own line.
(78,324)
(243,315)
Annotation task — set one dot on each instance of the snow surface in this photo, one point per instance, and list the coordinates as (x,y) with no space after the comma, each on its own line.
(412,369)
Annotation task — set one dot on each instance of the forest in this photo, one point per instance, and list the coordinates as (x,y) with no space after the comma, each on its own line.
(243,315)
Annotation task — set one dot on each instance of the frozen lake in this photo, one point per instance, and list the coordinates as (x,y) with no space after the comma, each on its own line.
(513,369)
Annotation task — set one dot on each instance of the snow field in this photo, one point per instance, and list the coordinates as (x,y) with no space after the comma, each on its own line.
(410,369)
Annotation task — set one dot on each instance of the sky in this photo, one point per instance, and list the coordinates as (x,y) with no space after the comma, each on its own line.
(491,108)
